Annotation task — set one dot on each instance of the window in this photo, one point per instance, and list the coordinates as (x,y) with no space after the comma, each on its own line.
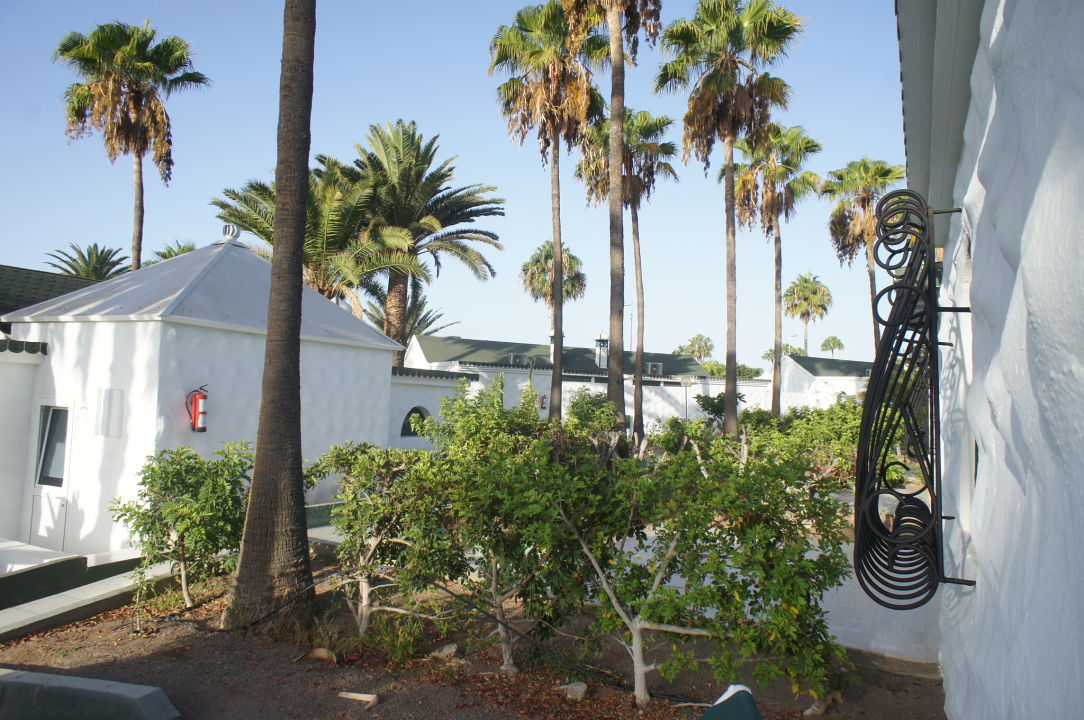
(52,446)
(408,422)
(654,369)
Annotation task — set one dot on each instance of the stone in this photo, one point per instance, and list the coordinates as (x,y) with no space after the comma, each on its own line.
(445,652)
(574,691)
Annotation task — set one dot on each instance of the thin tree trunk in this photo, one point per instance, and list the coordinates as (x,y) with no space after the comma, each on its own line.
(182,566)
(871,267)
(395,307)
(557,280)
(137,224)
(805,336)
(730,405)
(638,371)
(639,666)
(615,361)
(777,348)
(273,567)
(508,662)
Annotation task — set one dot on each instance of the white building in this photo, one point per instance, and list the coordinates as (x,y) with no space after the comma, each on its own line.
(108,385)
(819,381)
(993,102)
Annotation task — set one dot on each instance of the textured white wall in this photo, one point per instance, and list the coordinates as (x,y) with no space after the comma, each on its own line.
(17,372)
(408,393)
(1013,646)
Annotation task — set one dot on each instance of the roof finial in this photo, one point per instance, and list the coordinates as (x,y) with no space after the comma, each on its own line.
(230,232)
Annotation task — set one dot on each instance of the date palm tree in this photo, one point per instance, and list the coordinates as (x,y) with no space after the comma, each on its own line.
(273,570)
(537,276)
(699,346)
(414,202)
(720,54)
(624,20)
(646,158)
(172,250)
(807,299)
(125,76)
(768,185)
(550,91)
(831,344)
(420,319)
(94,263)
(856,188)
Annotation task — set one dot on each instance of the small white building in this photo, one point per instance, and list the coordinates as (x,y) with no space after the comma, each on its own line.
(820,381)
(106,383)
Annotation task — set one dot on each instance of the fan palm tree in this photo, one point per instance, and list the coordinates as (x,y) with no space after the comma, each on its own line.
(856,188)
(721,54)
(341,255)
(768,185)
(624,20)
(646,158)
(549,91)
(274,577)
(94,263)
(699,346)
(125,75)
(414,203)
(420,319)
(831,344)
(807,299)
(537,275)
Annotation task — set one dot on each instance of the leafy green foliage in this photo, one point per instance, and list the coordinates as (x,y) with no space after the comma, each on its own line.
(190,510)
(94,263)
(718,369)
(788,349)
(714,406)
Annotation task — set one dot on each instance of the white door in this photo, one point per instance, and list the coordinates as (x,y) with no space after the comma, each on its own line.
(49,509)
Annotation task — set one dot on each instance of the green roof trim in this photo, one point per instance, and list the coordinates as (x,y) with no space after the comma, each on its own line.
(20,346)
(22,287)
(830,367)
(577,361)
(436,374)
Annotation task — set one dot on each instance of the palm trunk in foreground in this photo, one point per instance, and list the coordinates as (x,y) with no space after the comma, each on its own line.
(557,279)
(274,564)
(730,405)
(777,348)
(872,269)
(638,371)
(395,314)
(137,224)
(615,361)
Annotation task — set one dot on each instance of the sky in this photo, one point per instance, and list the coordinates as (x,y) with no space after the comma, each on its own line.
(427,61)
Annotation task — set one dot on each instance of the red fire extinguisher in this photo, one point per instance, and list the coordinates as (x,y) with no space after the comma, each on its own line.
(197,409)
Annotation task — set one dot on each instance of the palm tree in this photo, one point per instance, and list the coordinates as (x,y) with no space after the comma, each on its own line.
(856,188)
(808,300)
(273,571)
(414,202)
(768,185)
(788,349)
(125,75)
(646,157)
(550,90)
(721,53)
(340,256)
(420,320)
(174,249)
(537,275)
(831,344)
(94,263)
(699,346)
(624,20)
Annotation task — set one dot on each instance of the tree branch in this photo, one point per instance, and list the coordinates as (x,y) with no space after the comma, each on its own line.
(676,629)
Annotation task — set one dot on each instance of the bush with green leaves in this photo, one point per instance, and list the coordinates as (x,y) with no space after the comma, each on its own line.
(189,511)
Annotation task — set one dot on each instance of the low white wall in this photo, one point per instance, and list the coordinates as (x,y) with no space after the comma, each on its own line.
(408,393)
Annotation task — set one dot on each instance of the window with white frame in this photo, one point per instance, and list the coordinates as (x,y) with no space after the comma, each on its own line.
(52,446)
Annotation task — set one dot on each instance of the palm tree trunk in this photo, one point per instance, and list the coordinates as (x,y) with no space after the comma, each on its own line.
(395,307)
(730,404)
(638,371)
(557,279)
(274,563)
(137,224)
(871,267)
(615,361)
(805,336)
(777,348)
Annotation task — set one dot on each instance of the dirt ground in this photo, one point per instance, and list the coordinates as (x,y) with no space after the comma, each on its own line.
(210,675)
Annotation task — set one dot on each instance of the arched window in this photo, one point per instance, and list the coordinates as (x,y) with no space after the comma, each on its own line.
(415,412)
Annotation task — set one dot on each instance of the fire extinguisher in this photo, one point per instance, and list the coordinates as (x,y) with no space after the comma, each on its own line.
(196,402)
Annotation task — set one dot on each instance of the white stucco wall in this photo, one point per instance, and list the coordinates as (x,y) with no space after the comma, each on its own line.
(17,372)
(1013,646)
(408,393)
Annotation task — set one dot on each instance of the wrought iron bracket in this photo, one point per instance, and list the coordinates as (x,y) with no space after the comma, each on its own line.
(898,549)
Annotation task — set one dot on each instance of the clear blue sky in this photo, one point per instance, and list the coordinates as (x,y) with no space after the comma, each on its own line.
(426,60)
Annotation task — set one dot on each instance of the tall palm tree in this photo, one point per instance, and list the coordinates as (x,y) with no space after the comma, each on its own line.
(94,263)
(646,158)
(807,299)
(856,188)
(549,91)
(125,74)
(420,319)
(831,344)
(768,186)
(273,571)
(624,20)
(340,255)
(721,53)
(414,202)
(537,276)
